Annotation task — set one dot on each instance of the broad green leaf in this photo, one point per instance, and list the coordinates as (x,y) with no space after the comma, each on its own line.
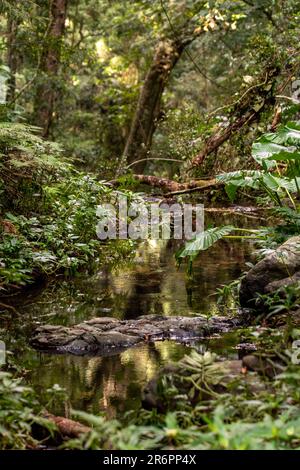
(231,190)
(203,241)
(265,150)
(281,145)
(286,156)
(275,183)
(271,182)
(242,178)
(289,134)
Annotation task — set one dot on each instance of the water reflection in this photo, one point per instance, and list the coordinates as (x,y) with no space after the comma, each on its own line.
(105,384)
(151,284)
(156,287)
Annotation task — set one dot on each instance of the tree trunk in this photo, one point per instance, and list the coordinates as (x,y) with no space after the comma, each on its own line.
(47,91)
(12,58)
(148,108)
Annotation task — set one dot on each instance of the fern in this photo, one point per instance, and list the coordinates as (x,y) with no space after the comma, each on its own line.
(23,147)
(27,164)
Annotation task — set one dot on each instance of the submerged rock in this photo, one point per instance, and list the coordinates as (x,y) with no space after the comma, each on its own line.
(277,270)
(107,336)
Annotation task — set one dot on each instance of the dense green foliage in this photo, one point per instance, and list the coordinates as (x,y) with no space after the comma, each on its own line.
(280,185)
(20,411)
(49,209)
(195,89)
(98,81)
(242,417)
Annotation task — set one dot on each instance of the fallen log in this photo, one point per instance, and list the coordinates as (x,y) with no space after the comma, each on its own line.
(157,182)
(173,187)
(206,185)
(67,427)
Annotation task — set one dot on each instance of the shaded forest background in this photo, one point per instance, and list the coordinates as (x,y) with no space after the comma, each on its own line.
(117,82)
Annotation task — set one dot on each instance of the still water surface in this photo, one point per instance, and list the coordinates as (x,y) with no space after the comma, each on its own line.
(150,284)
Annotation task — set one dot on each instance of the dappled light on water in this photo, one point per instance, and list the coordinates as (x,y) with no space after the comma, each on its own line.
(150,284)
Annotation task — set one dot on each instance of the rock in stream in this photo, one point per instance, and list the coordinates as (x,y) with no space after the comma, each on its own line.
(107,336)
(277,270)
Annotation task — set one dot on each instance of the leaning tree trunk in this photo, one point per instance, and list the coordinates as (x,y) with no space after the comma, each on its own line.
(12,58)
(47,91)
(148,108)
(247,110)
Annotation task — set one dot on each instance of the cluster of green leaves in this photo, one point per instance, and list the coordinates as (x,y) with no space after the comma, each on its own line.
(62,240)
(27,163)
(271,148)
(19,411)
(48,220)
(281,187)
(282,300)
(24,138)
(203,407)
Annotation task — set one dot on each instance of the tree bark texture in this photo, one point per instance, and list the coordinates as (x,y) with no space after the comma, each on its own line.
(247,110)
(47,91)
(148,108)
(67,427)
(12,58)
(171,186)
